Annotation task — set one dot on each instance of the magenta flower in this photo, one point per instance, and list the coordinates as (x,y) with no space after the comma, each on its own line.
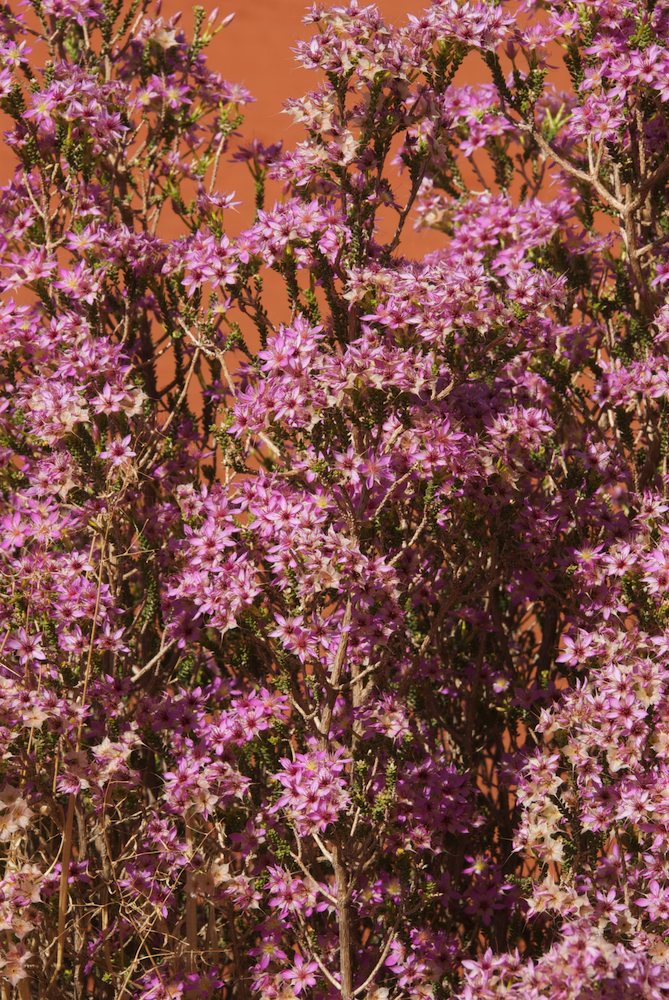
(302,975)
(119,452)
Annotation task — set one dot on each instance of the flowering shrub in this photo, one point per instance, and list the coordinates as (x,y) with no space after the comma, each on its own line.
(335,645)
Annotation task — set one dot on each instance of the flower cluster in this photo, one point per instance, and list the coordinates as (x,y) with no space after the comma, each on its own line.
(334,635)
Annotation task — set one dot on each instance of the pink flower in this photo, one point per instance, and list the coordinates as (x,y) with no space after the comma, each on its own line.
(119,452)
(302,975)
(28,646)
